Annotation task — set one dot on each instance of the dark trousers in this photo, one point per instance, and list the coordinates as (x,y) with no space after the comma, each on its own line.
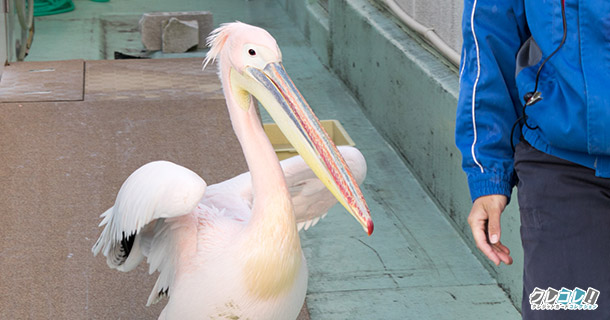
(565,231)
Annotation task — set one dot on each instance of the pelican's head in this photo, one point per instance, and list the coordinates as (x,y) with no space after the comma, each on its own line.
(250,64)
(240,46)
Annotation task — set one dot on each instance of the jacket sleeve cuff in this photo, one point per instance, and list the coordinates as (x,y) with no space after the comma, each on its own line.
(487,184)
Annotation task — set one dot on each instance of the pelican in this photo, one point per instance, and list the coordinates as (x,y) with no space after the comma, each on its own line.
(232,250)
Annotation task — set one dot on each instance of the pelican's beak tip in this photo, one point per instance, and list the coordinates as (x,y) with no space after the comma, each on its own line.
(369,227)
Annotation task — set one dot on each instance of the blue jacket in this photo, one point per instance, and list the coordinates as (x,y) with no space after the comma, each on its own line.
(573,118)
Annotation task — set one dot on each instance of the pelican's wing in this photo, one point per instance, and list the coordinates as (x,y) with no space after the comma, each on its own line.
(311,199)
(151,205)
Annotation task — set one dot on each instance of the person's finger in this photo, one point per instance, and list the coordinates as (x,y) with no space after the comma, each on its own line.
(484,221)
(503,255)
(502,247)
(480,239)
(493,224)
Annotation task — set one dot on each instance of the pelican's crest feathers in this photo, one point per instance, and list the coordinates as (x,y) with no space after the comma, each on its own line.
(217,39)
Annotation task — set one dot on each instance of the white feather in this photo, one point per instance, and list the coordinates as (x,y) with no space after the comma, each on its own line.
(155,201)
(156,192)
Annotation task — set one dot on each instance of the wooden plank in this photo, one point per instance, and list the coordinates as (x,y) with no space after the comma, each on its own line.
(151,79)
(42,81)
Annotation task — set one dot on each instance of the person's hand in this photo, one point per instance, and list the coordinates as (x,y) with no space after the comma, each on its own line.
(484,221)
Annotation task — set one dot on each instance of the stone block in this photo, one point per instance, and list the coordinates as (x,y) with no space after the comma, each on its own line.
(179,35)
(151,26)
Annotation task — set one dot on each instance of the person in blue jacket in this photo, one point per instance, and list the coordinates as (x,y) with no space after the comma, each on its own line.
(536,74)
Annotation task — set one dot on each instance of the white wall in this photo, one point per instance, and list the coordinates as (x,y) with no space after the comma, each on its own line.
(445,16)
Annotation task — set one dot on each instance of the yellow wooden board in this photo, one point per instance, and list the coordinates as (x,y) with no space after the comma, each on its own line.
(285,150)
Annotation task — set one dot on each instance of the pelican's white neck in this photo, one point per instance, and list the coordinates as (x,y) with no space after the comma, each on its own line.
(274,248)
(267,175)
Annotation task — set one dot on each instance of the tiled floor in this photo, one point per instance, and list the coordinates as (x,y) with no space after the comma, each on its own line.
(414,266)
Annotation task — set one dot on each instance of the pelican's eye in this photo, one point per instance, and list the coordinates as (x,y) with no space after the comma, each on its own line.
(252,52)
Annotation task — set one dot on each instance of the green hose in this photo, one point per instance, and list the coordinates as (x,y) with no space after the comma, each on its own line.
(49,7)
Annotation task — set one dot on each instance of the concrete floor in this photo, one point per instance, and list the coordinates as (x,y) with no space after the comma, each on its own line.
(415,266)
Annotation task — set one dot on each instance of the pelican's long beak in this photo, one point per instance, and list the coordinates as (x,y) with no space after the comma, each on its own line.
(278,94)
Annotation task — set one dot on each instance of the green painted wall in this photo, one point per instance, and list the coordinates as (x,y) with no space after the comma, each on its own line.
(410,94)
